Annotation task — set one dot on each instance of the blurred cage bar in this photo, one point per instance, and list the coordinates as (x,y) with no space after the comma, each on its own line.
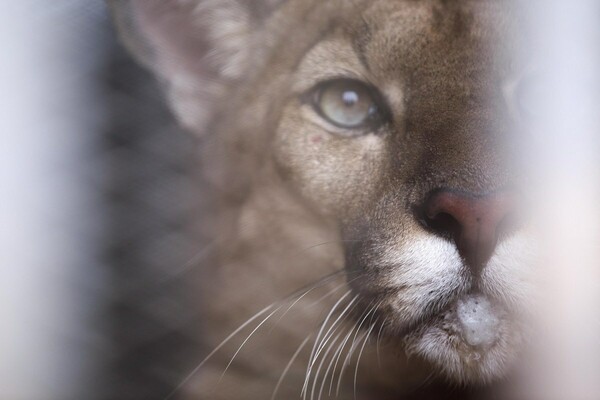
(53,280)
(99,197)
(566,163)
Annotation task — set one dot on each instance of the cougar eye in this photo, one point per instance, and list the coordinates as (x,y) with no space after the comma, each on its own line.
(348,104)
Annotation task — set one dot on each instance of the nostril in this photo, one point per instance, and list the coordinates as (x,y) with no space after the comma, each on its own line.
(472,221)
(442,224)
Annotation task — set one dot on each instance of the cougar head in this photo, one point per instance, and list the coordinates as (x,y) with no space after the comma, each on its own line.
(389,118)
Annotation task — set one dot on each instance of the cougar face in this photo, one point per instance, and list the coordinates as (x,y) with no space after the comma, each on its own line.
(378,129)
(402,136)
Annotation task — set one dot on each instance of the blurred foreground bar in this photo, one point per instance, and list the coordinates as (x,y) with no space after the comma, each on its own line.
(566,139)
(51,281)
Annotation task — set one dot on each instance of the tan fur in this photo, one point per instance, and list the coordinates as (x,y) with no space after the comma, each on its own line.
(295,199)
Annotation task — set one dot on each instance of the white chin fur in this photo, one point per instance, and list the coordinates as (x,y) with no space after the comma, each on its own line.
(474,339)
(441,342)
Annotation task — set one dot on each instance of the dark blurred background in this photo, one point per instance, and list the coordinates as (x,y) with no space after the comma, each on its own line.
(150,197)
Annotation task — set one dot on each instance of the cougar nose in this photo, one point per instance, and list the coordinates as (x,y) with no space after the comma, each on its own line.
(472,221)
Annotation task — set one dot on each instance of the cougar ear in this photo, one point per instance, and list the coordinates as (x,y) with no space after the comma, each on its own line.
(196,47)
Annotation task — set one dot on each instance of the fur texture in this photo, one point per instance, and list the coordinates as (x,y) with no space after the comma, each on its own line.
(305,208)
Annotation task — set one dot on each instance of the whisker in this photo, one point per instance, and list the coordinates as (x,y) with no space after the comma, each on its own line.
(289,364)
(425,382)
(314,246)
(192,262)
(379,340)
(323,358)
(223,343)
(351,305)
(309,368)
(360,355)
(353,348)
(354,329)
(245,341)
(362,321)
(328,335)
(329,293)
(314,285)
(320,282)
(337,287)
(347,360)
(339,354)
(333,357)
(267,318)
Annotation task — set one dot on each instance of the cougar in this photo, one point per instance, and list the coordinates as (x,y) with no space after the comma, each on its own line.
(365,225)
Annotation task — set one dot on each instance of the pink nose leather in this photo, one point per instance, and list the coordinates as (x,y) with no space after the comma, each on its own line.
(472,221)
